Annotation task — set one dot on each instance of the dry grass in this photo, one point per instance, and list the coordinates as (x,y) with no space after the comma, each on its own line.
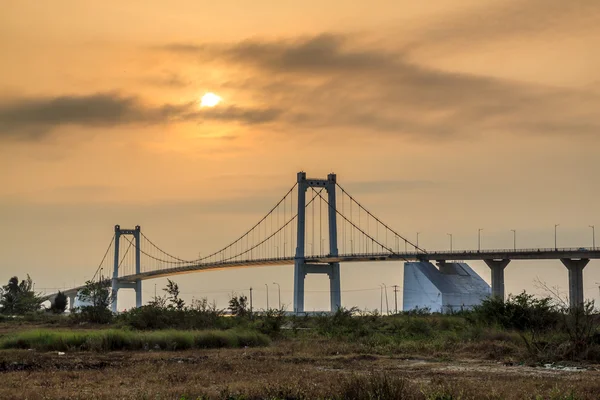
(287,369)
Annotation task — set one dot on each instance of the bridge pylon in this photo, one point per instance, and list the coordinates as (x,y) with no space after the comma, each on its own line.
(301,268)
(137,284)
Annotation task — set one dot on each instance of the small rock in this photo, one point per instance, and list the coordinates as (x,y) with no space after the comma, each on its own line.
(60,353)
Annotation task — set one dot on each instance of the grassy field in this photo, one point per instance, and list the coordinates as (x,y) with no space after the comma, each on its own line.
(119,339)
(502,352)
(298,368)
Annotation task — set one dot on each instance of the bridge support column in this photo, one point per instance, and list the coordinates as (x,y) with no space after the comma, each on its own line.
(575,268)
(335,295)
(115,284)
(300,266)
(299,276)
(115,275)
(72,301)
(497,267)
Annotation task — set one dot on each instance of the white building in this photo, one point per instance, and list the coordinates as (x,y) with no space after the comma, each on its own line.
(451,287)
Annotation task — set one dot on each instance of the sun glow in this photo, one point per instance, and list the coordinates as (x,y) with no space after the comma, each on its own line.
(209,100)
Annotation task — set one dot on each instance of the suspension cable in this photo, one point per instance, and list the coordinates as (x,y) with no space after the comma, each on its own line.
(363,232)
(378,220)
(103,258)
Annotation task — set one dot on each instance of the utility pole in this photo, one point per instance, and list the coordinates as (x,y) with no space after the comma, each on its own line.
(387,306)
(555,246)
(381,299)
(479,239)
(251,300)
(593,237)
(395,299)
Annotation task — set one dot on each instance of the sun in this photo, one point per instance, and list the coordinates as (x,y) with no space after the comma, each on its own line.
(209,100)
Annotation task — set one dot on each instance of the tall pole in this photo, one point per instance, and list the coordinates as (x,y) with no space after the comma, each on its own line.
(514,231)
(115,275)
(418,239)
(381,299)
(395,299)
(555,245)
(279,291)
(387,306)
(250,299)
(449,234)
(593,237)
(479,239)
(267,286)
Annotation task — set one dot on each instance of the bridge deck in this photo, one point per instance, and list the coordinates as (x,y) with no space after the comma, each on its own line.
(461,255)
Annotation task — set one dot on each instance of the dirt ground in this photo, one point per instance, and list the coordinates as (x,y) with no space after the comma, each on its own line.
(286,368)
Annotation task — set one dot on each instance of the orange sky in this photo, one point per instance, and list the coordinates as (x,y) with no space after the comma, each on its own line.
(444,119)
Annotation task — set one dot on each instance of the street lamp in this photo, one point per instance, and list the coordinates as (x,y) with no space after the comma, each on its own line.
(555,246)
(479,239)
(279,290)
(593,237)
(449,234)
(514,231)
(418,239)
(267,286)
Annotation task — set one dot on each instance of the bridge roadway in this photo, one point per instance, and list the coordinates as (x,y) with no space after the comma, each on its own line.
(438,256)
(496,260)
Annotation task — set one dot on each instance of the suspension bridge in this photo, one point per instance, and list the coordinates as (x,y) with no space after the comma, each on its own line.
(316,226)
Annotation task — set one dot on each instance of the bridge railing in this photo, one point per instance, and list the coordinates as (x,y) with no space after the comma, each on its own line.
(526,250)
(413,254)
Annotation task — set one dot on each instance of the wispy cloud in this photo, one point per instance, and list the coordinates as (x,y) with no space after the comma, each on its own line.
(33,118)
(336,81)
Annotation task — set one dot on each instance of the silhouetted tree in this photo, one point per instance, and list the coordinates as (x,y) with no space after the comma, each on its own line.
(96,297)
(172,290)
(19,298)
(238,305)
(60,303)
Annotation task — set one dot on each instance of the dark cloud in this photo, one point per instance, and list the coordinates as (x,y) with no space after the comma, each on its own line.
(335,81)
(35,117)
(322,53)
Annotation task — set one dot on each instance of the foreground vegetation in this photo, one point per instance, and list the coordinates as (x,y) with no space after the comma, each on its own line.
(118,339)
(288,369)
(500,350)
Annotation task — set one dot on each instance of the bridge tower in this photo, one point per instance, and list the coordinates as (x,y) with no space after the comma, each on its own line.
(116,285)
(301,268)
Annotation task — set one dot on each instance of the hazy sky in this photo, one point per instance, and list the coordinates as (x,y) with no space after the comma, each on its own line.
(442,118)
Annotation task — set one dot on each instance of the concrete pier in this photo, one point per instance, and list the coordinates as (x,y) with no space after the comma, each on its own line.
(497,267)
(575,268)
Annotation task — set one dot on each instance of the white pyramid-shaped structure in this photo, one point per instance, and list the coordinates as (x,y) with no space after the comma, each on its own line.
(451,287)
